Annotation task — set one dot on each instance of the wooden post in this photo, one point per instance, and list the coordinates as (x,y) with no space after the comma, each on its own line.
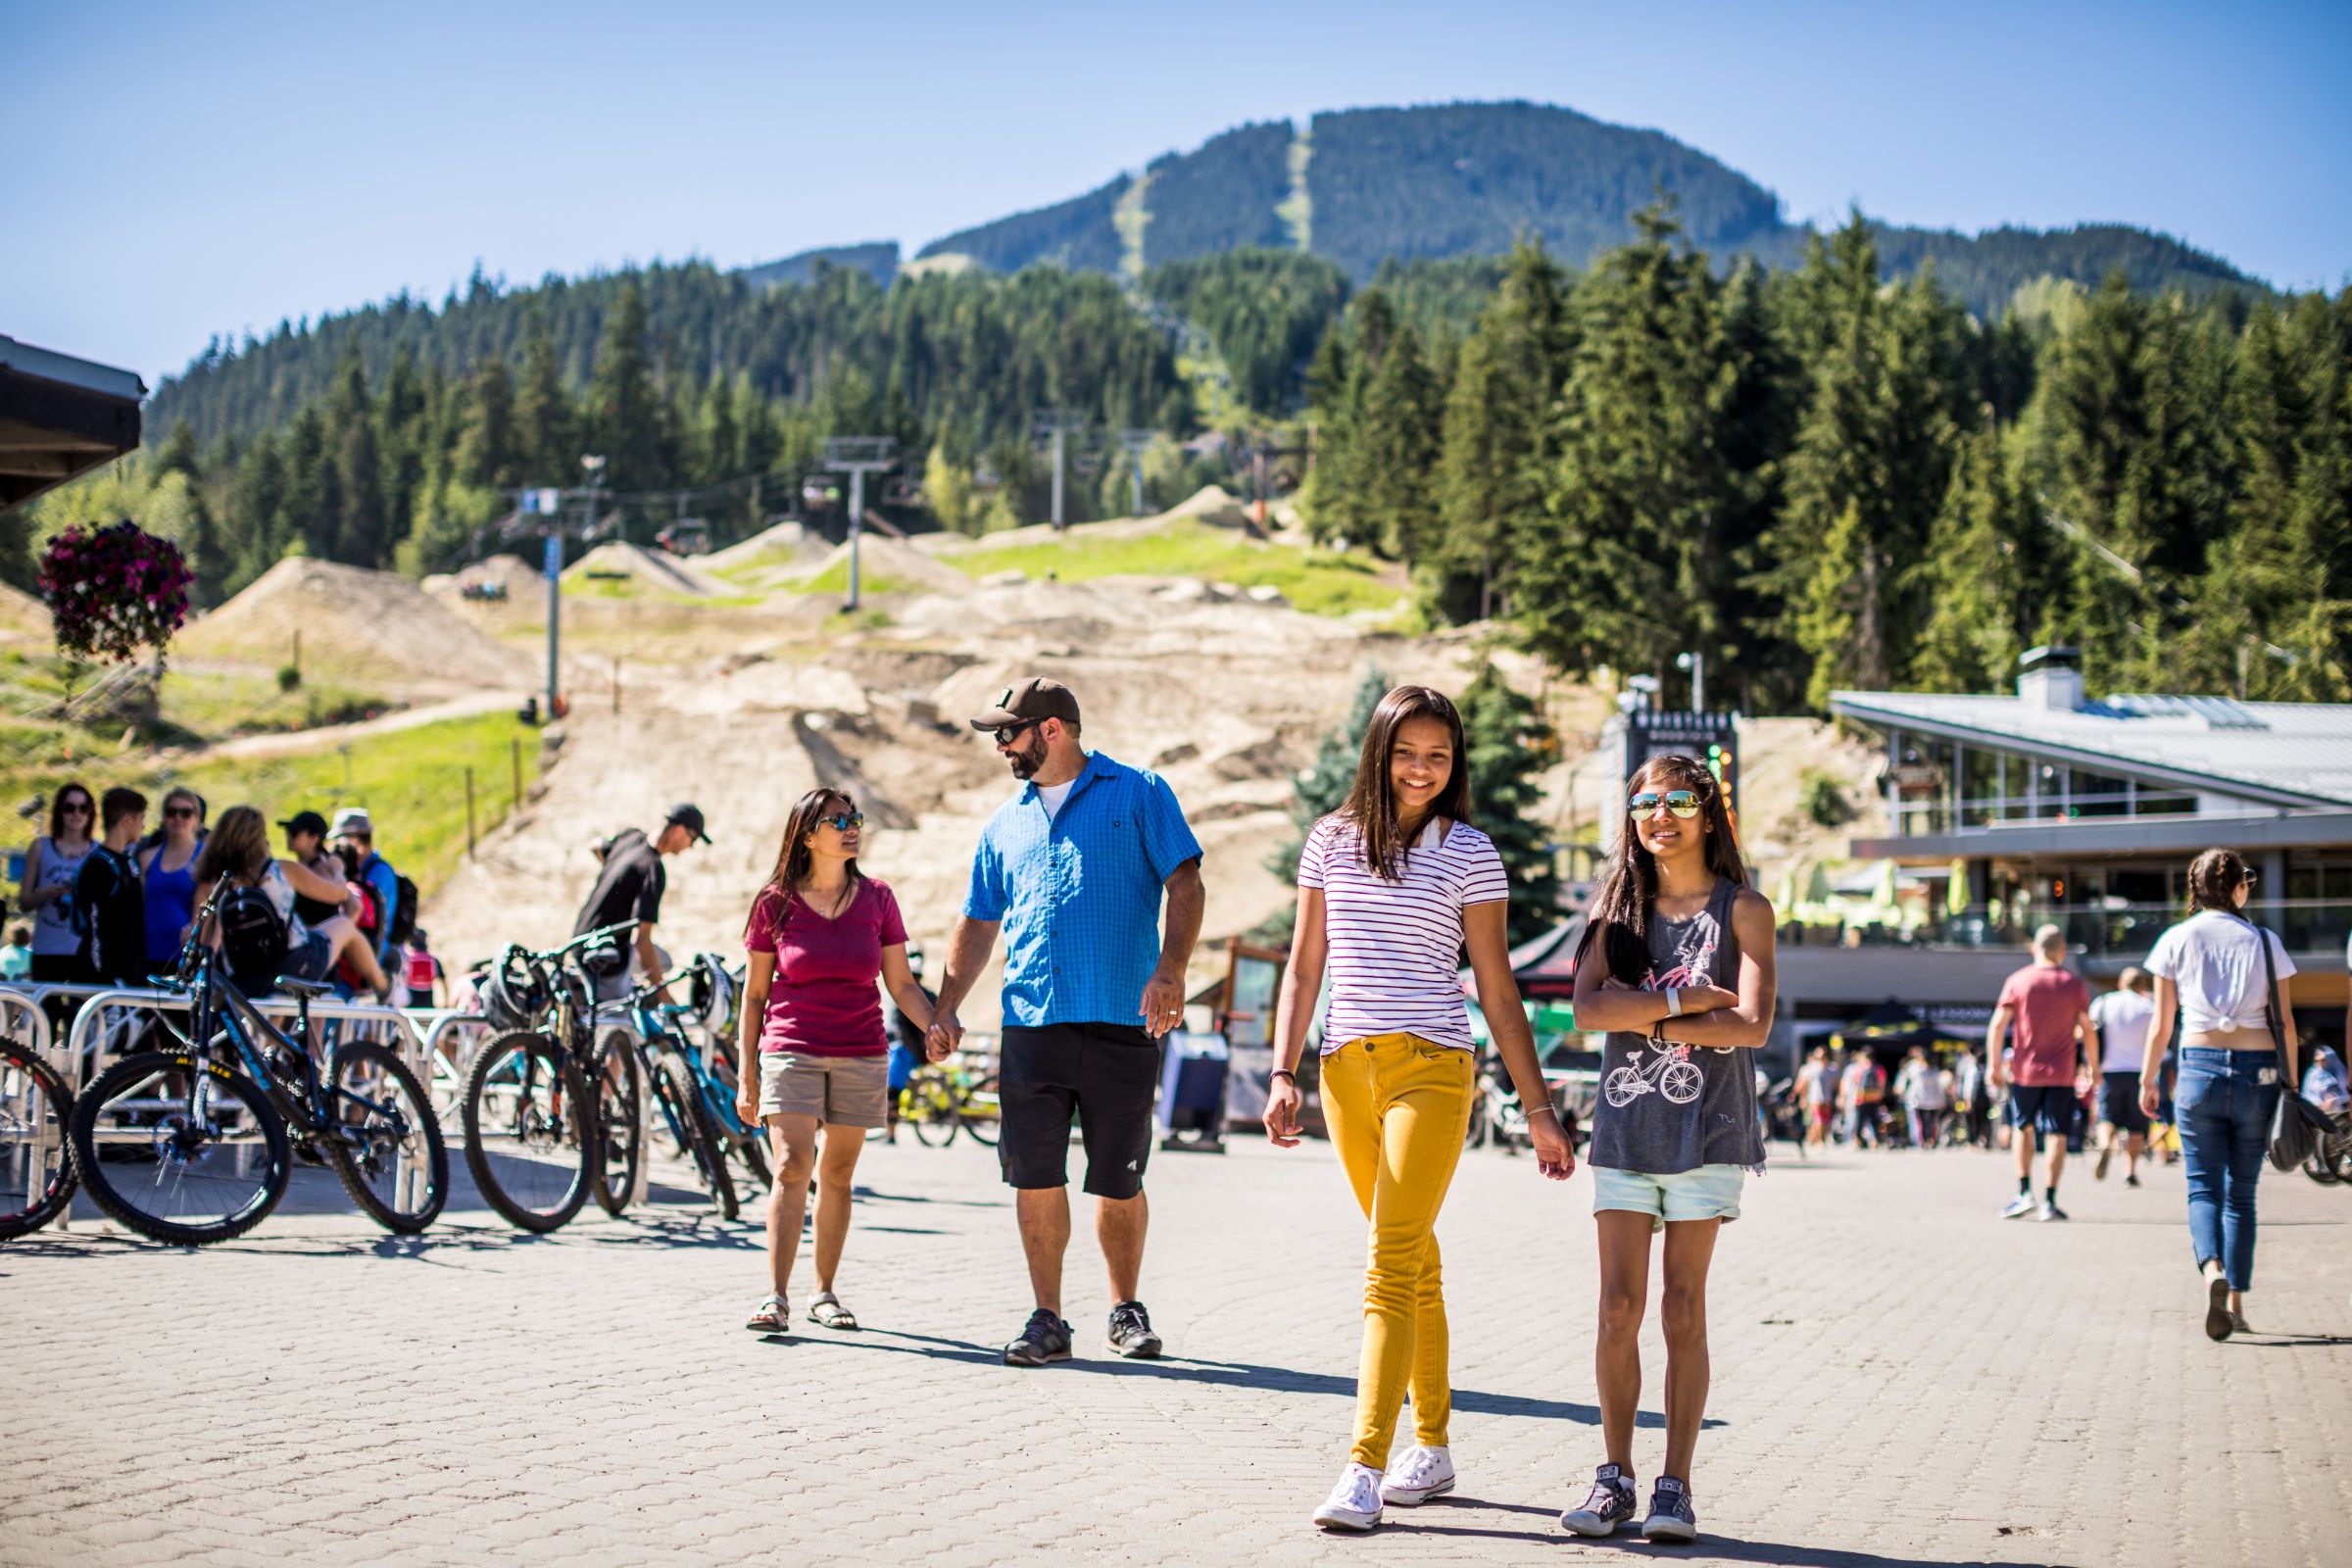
(616,684)
(298,650)
(515,753)
(469,813)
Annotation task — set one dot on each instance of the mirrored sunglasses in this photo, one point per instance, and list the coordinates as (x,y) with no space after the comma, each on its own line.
(1684,804)
(844,821)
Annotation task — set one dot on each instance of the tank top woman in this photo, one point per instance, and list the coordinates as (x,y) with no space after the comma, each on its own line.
(53,933)
(1666,1110)
(170,904)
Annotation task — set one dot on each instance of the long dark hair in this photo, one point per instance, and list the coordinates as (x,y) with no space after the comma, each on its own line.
(238,847)
(793,859)
(1618,917)
(56,809)
(1371,804)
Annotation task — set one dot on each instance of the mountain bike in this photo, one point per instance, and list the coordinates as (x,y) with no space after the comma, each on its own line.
(36,1174)
(194,1144)
(534,1128)
(696,1100)
(944,1098)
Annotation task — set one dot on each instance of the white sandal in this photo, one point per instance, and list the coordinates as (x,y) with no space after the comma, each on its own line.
(773,1315)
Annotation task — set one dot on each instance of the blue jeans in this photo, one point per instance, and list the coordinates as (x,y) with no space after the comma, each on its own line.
(2225,1101)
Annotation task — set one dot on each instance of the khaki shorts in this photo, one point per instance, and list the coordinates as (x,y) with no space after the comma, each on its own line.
(838,1091)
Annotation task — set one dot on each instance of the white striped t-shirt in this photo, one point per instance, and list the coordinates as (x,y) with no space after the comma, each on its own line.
(1396,946)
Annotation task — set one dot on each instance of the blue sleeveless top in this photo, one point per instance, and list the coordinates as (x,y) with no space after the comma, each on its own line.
(171,906)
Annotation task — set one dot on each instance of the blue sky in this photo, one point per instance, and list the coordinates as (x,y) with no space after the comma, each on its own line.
(180,170)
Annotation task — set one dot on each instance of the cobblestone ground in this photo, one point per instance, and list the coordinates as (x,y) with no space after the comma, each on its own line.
(1900,1376)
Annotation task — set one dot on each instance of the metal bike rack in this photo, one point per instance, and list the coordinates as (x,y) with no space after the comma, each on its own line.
(23,1018)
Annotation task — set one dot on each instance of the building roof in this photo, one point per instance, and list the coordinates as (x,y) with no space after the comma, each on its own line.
(60,416)
(2278,753)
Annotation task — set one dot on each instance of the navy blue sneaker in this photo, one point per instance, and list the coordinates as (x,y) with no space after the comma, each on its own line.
(1671,1516)
(1610,1507)
(1045,1339)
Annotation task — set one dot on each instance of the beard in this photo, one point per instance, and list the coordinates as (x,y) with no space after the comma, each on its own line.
(1028,760)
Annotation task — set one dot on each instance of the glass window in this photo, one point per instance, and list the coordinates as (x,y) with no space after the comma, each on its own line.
(2096,795)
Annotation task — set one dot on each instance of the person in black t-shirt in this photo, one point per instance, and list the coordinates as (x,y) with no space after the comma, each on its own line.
(109,909)
(630,888)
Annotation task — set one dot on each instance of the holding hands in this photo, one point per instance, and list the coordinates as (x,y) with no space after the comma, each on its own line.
(945,1035)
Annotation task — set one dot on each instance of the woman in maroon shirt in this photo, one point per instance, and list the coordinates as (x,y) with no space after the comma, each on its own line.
(821,932)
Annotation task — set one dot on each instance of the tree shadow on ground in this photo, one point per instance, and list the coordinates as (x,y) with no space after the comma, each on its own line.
(1228,1374)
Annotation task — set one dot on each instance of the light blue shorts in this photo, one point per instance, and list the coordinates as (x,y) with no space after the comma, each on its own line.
(1710,1192)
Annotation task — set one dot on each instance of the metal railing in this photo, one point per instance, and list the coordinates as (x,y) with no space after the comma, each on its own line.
(2304,925)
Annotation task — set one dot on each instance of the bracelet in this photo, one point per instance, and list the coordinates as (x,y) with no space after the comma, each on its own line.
(1674,1001)
(1547,1107)
(1658,1032)
(1284,1072)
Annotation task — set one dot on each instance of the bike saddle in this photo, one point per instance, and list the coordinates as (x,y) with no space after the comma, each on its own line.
(305,989)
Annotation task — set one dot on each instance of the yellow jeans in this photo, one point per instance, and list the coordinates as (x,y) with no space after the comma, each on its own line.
(1397,1106)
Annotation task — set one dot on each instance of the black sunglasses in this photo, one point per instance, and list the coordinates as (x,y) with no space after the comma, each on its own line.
(180,810)
(73,809)
(1012,732)
(844,821)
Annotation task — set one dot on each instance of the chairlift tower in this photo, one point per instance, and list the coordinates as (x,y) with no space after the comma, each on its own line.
(858,456)
(1137,440)
(1057,423)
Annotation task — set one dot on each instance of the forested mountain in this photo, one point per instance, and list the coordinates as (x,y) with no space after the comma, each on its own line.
(877,260)
(1368,186)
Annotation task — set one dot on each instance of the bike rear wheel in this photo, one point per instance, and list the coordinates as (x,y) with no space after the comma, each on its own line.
(180,1150)
(674,1087)
(929,1107)
(981,1114)
(36,1173)
(619,1122)
(526,1145)
(387,1145)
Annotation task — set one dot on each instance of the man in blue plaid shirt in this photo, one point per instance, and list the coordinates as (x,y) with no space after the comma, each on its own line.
(1072,868)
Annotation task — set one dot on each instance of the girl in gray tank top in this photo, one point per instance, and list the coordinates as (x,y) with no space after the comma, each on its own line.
(1676,970)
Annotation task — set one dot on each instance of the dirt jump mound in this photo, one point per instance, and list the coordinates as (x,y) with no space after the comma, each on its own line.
(356,624)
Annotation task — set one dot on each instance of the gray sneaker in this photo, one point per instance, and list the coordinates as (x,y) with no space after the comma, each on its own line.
(1047,1337)
(2047,1212)
(1671,1516)
(1609,1507)
(2020,1207)
(1131,1333)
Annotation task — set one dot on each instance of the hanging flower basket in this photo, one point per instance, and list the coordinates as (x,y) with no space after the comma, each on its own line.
(112,591)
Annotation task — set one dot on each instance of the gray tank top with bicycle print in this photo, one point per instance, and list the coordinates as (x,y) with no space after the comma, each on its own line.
(1667,1109)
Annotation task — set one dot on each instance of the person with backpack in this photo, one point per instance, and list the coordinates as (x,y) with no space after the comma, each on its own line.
(258,935)
(629,887)
(2225,978)
(393,896)
(108,910)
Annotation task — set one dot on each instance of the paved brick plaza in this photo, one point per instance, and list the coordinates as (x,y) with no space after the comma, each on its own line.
(1900,1376)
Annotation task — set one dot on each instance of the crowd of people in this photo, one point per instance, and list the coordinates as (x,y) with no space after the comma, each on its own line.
(110,902)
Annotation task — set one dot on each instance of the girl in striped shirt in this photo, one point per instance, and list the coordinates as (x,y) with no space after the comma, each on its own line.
(1391,888)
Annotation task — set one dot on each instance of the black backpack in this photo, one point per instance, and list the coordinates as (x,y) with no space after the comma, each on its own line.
(404,911)
(253,940)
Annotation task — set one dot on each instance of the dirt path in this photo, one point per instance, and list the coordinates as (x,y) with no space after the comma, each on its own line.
(332,735)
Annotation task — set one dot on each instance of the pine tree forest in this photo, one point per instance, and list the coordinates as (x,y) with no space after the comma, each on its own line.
(1820,477)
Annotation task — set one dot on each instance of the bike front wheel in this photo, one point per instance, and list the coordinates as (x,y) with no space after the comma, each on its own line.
(619,1124)
(385,1143)
(674,1091)
(36,1174)
(527,1146)
(981,1114)
(928,1105)
(180,1149)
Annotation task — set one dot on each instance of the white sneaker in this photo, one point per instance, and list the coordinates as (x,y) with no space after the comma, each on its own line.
(1417,1474)
(1353,1503)
(2020,1207)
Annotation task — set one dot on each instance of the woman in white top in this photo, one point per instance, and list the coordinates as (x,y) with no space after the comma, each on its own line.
(2210,970)
(2123,1016)
(47,893)
(1391,888)
(239,849)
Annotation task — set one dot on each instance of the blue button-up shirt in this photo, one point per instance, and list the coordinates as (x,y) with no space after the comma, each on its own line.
(1078,895)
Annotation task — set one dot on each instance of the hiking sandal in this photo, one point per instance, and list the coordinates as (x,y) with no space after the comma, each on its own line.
(826,1311)
(773,1315)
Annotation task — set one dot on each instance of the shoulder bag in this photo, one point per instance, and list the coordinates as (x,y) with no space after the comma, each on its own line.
(2297,1124)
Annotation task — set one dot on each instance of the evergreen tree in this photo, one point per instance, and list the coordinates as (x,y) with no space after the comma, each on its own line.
(1628,568)
(1323,788)
(547,441)
(198,533)
(1395,463)
(1498,437)
(1508,746)
(1986,578)
(623,418)
(488,447)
